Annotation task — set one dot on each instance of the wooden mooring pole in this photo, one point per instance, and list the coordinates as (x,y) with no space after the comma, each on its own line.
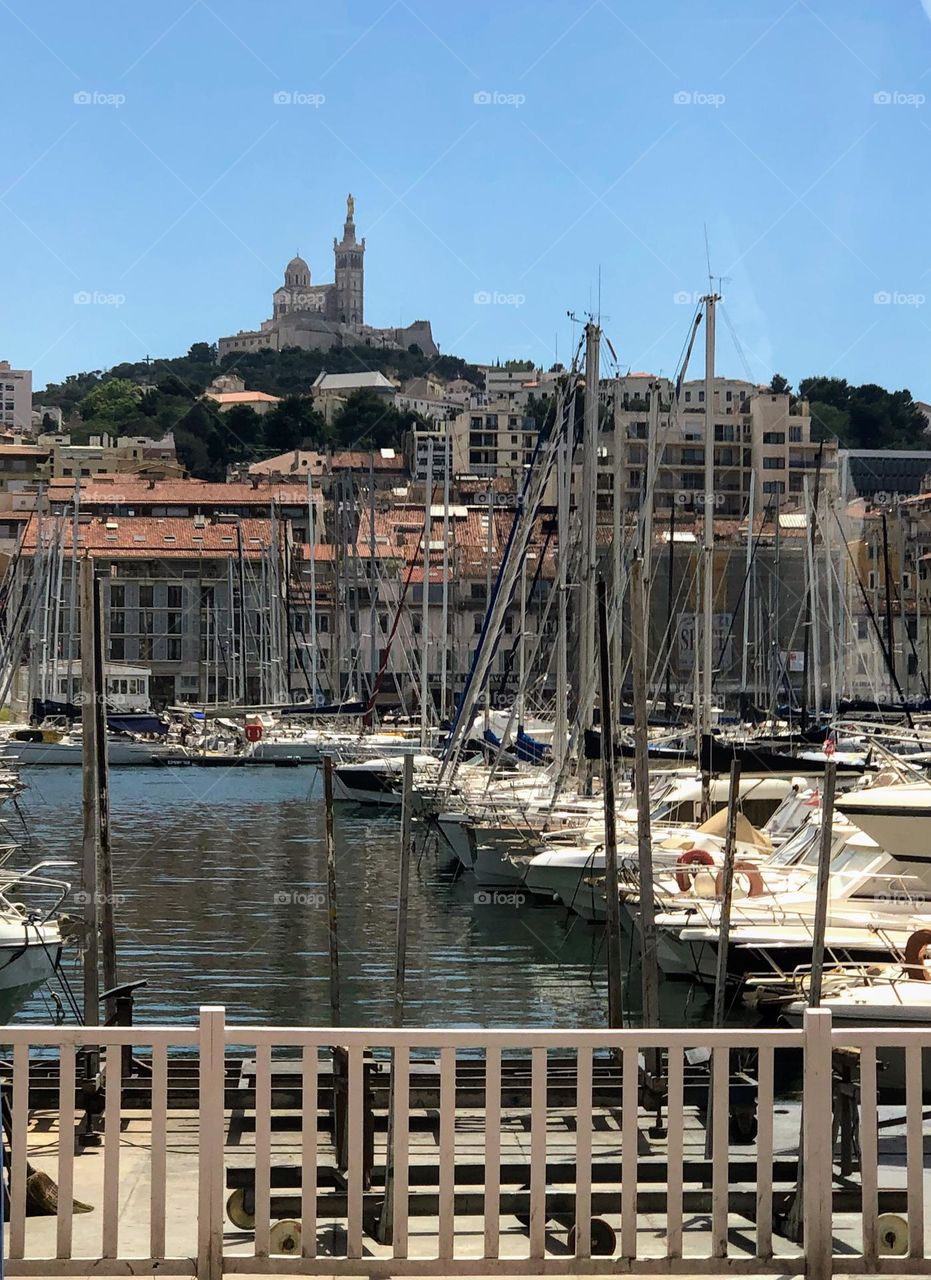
(332,918)
(89,765)
(615,991)
(385,1227)
(104,850)
(727,896)
(724,934)
(795,1215)
(649,964)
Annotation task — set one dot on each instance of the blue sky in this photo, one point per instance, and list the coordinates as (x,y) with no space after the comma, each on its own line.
(796,131)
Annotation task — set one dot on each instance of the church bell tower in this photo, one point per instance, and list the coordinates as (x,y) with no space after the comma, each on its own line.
(349,254)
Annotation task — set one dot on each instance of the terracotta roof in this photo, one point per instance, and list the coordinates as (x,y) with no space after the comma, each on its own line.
(128,490)
(360,459)
(241,397)
(145,537)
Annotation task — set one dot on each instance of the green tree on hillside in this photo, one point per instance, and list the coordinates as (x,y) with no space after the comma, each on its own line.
(864,417)
(111,402)
(293,424)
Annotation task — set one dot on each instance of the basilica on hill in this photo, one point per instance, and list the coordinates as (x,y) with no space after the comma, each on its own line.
(320,316)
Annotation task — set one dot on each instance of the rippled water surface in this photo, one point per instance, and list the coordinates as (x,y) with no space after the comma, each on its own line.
(220,877)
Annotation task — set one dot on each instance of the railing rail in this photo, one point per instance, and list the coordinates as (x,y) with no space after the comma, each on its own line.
(472,1152)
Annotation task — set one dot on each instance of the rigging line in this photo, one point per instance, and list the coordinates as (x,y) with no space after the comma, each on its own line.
(872,617)
(531,495)
(746,578)
(739,349)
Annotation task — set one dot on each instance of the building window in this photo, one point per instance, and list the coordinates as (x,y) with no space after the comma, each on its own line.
(118,649)
(174,597)
(173,650)
(774,437)
(863,628)
(117,596)
(773,464)
(795,435)
(773,486)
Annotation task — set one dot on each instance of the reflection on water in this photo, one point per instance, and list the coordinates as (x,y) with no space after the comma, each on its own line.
(219,878)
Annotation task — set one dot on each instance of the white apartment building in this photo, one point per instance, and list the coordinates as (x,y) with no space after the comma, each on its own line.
(762,442)
(15,398)
(494,440)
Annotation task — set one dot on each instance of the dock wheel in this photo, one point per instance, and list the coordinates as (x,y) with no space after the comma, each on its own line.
(237,1212)
(285,1237)
(604,1240)
(892,1231)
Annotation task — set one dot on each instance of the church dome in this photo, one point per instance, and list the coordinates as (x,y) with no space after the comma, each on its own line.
(297,272)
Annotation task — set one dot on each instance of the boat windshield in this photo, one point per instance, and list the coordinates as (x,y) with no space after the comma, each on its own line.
(796,847)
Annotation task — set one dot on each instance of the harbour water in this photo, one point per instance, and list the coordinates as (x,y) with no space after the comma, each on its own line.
(219,883)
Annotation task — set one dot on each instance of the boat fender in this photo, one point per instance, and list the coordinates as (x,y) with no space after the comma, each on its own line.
(691,858)
(750,873)
(892,1233)
(915,951)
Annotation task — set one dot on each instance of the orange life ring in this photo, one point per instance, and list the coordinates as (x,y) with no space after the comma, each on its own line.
(916,949)
(691,857)
(754,879)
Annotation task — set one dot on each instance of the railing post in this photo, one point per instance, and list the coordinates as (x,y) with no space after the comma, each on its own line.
(817,1145)
(210,1146)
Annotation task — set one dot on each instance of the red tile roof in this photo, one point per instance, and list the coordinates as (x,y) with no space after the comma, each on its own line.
(145,537)
(130,491)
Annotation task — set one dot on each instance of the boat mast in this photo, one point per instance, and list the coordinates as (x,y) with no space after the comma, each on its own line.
(522,648)
(425,598)
(563,473)
(373,578)
(444,619)
(616,540)
(73,587)
(312,540)
(748,595)
(585,691)
(489,552)
(708,541)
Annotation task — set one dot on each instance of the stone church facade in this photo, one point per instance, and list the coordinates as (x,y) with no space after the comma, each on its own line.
(317,317)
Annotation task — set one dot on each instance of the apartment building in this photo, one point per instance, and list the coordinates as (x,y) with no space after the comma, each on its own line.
(494,440)
(762,444)
(184,595)
(15,398)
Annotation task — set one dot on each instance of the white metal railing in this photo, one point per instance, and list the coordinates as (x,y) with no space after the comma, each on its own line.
(510,1152)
